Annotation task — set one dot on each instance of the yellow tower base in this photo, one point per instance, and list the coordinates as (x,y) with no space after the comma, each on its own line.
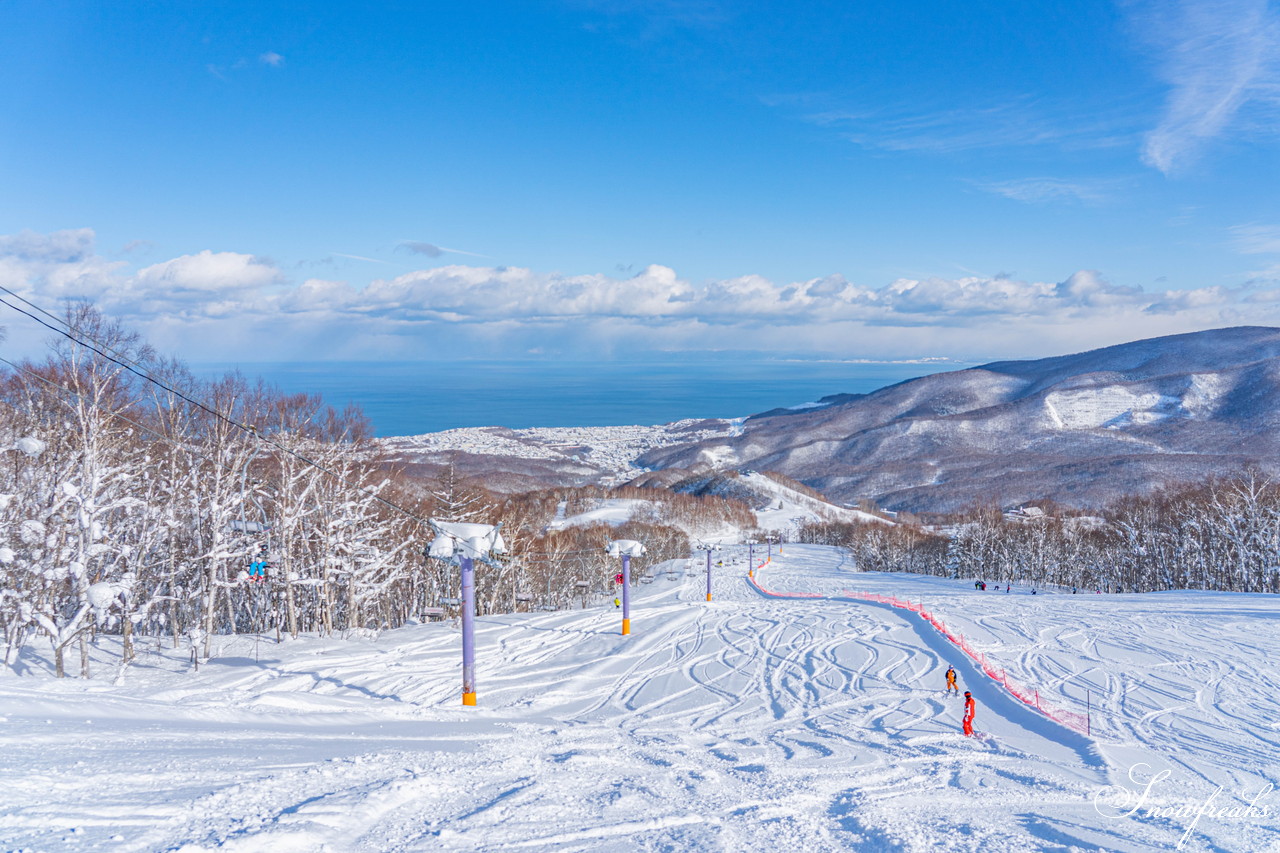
(626,626)
(468,698)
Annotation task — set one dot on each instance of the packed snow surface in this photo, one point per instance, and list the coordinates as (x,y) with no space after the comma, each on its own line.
(612,511)
(786,510)
(746,723)
(790,510)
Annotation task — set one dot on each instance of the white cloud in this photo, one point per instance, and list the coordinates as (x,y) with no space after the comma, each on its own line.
(60,246)
(207,304)
(271,58)
(320,295)
(217,272)
(1219,58)
(60,265)
(465,293)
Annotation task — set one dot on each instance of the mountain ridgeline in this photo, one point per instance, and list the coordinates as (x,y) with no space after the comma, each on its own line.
(1080,429)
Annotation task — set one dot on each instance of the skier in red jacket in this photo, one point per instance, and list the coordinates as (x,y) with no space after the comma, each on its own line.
(969,710)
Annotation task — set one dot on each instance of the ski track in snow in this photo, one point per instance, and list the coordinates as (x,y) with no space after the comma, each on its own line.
(747,723)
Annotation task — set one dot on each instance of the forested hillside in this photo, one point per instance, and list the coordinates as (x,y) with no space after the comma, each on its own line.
(1220,535)
(137,499)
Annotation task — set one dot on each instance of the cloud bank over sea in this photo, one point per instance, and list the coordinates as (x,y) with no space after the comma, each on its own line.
(212,305)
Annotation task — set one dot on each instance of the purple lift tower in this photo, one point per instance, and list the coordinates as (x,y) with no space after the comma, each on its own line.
(708,549)
(626,549)
(464,543)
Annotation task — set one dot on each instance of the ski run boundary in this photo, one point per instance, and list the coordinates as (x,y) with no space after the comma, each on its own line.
(1073,720)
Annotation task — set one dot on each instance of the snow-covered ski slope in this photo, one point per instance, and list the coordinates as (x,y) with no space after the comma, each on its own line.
(786,510)
(747,723)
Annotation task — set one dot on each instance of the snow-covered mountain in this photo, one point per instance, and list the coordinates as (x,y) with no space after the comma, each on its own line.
(1080,428)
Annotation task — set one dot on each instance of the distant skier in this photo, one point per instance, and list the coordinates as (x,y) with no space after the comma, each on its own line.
(1008,588)
(617,602)
(969,710)
(951,681)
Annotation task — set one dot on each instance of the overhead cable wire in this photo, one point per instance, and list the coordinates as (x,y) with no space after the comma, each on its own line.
(60,388)
(63,322)
(141,374)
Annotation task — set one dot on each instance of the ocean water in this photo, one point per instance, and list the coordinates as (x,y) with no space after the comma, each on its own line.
(410,398)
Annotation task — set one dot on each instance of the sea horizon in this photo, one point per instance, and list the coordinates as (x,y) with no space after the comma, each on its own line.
(415,397)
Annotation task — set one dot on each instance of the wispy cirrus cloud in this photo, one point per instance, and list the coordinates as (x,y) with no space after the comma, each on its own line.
(1016,122)
(1259,240)
(1050,190)
(359,258)
(431,250)
(1256,239)
(226,300)
(1221,60)
(225,71)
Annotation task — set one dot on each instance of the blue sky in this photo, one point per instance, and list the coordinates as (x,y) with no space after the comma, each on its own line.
(560,177)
